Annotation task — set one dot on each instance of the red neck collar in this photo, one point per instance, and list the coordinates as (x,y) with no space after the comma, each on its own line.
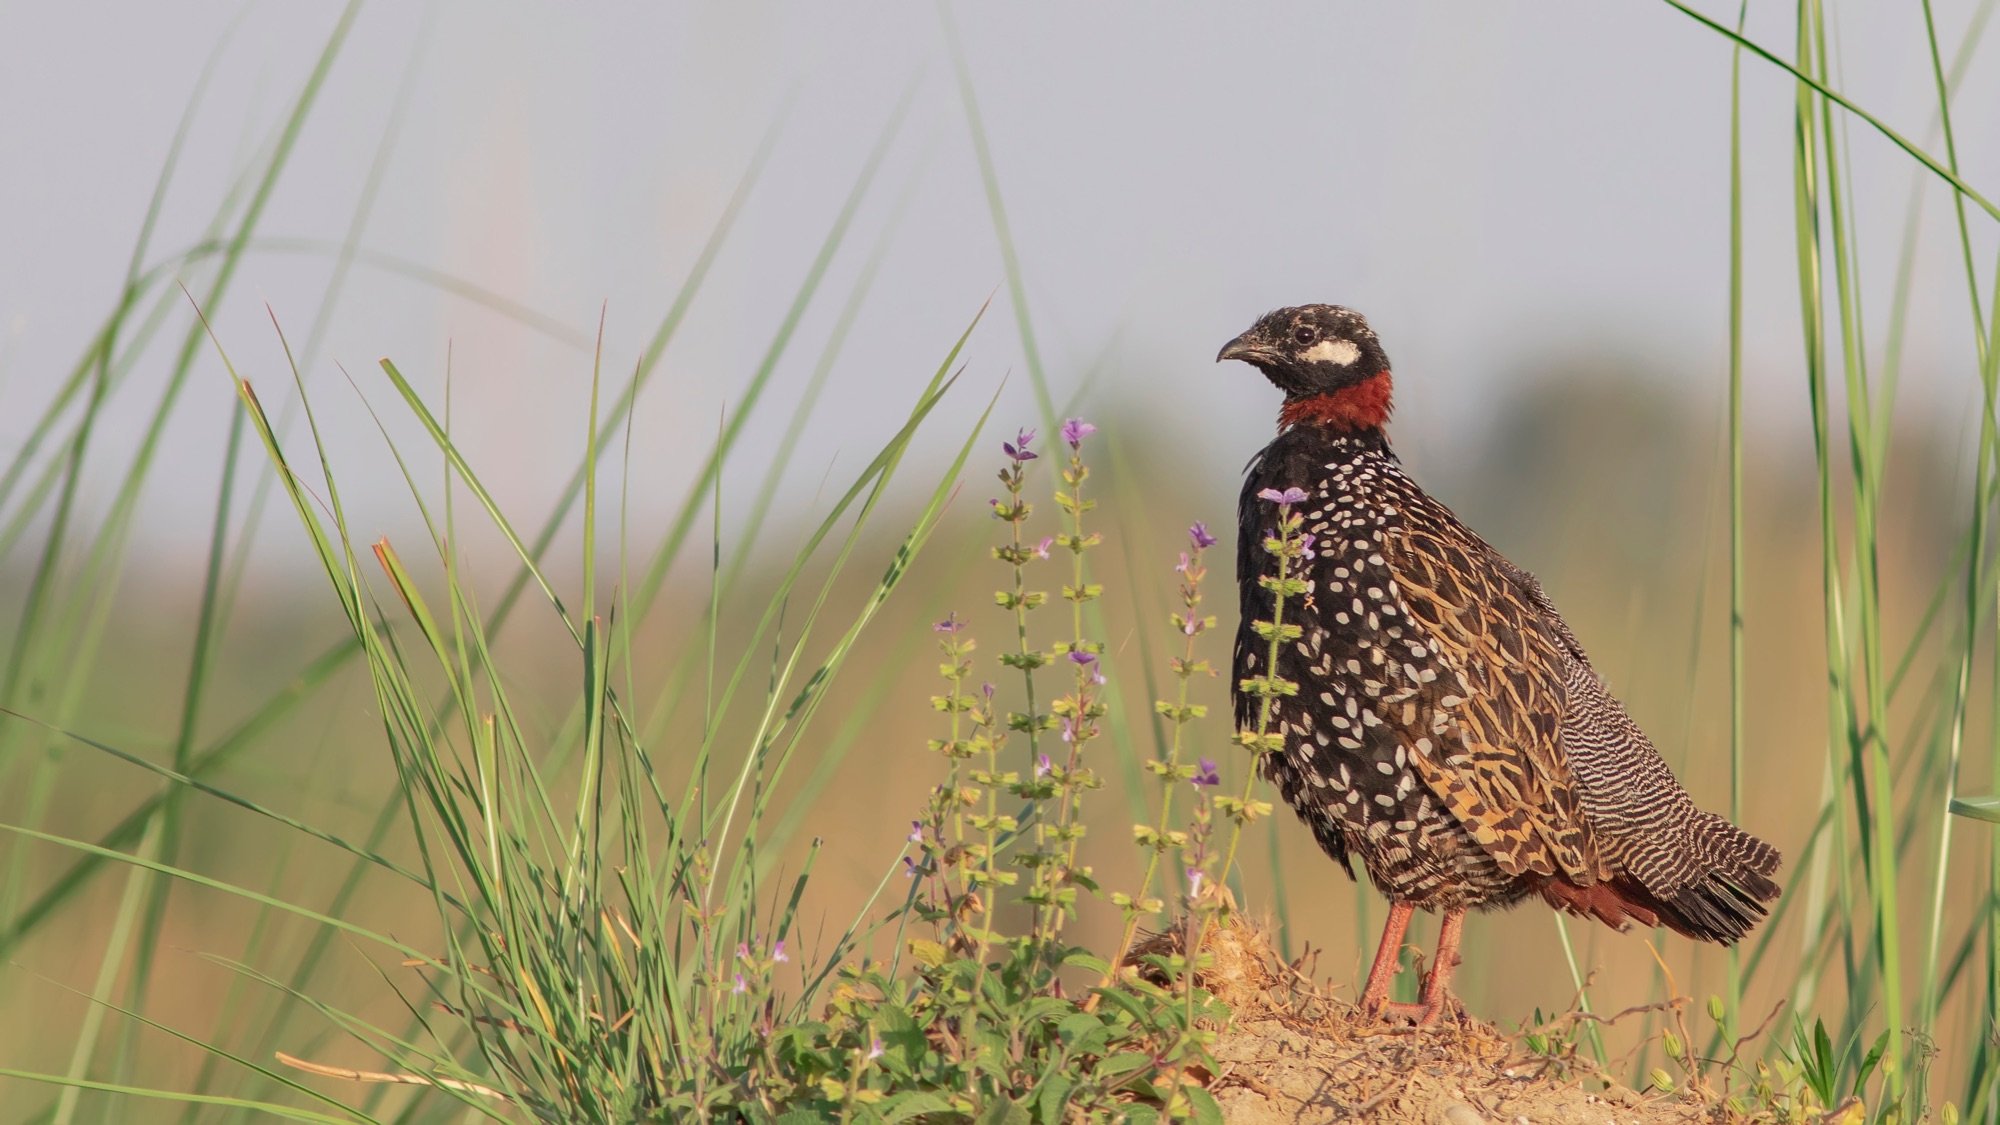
(1362,406)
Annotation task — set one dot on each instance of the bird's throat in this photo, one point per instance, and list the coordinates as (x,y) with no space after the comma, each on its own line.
(1363,406)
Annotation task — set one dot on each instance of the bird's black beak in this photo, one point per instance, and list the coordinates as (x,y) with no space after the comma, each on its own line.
(1244,347)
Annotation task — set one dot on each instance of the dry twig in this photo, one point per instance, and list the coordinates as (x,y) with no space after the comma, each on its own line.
(380,1076)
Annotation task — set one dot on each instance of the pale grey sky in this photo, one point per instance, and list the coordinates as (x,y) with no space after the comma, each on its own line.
(1491,183)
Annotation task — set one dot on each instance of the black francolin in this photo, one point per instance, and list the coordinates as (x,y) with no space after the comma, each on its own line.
(1447,729)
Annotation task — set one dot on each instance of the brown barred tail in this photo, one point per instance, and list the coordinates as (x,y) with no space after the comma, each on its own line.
(1728,893)
(1734,892)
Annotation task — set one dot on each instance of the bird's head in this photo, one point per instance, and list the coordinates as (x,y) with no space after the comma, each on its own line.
(1325,358)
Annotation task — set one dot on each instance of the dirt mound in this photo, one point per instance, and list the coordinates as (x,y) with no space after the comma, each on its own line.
(1294,1053)
(1344,1068)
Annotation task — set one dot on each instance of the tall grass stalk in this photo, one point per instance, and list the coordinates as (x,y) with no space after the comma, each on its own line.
(1932,995)
(1868,760)
(1866,712)
(1737,700)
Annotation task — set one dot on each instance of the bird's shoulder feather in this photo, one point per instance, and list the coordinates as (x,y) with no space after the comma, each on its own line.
(1505,775)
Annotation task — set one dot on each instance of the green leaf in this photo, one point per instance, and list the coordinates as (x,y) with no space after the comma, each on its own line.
(910,1103)
(1124,1063)
(1873,1059)
(1126,1003)
(1051,1102)
(1095,1041)
(1977,808)
(1205,1109)
(1005,1112)
(1076,1026)
(1048,1008)
(270,1108)
(1084,959)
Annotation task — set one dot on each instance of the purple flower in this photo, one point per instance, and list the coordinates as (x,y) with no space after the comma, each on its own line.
(987,689)
(742,986)
(1190,624)
(1097,677)
(1199,533)
(909,868)
(916,832)
(1042,766)
(778,952)
(1081,656)
(1075,430)
(874,1050)
(950,624)
(1288,496)
(1018,449)
(742,951)
(1068,729)
(1306,545)
(1042,548)
(1206,775)
(1181,567)
(1195,876)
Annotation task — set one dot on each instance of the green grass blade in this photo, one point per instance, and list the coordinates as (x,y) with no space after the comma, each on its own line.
(1813,83)
(1017,290)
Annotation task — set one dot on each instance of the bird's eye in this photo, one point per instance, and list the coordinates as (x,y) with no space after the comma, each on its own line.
(1305,333)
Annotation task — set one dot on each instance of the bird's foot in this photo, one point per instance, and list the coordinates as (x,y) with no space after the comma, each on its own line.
(1401,1010)
(1437,1003)
(1425,1013)
(1436,1006)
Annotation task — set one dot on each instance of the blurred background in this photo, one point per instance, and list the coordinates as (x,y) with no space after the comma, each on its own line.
(1530,202)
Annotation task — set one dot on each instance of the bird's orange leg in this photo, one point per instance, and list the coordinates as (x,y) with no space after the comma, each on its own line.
(1387,956)
(1437,984)
(1437,1000)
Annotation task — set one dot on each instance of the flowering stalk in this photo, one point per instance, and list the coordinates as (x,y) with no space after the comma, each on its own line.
(952,798)
(984,872)
(1074,474)
(1079,711)
(1292,548)
(1196,855)
(1016,553)
(750,983)
(1192,623)
(959,868)
(940,838)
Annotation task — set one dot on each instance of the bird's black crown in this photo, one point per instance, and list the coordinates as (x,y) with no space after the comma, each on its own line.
(1310,350)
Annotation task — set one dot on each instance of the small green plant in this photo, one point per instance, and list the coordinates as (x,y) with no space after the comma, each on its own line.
(999,1039)
(995,1019)
(1812,1077)
(1826,1072)
(1556,1043)
(1291,545)
(1158,838)
(1820,1078)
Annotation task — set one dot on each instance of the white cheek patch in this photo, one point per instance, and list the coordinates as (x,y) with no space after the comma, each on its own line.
(1338,352)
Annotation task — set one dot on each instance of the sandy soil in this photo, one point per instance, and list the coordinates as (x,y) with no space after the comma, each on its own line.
(1340,1068)
(1294,1054)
